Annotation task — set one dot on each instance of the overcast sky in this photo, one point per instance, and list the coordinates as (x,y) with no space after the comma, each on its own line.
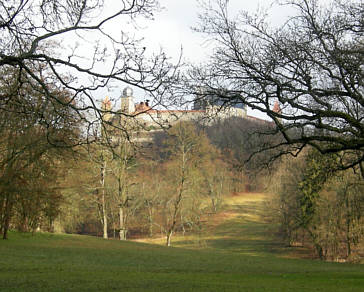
(171,28)
(171,31)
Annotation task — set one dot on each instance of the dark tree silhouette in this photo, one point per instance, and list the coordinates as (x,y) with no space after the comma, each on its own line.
(81,46)
(312,65)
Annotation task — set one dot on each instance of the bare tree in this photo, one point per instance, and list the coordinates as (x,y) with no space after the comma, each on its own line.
(29,165)
(122,163)
(91,49)
(186,151)
(312,66)
(56,58)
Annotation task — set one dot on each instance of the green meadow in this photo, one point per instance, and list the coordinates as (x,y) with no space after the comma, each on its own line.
(235,251)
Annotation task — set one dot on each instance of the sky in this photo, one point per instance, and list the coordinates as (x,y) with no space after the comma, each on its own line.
(172,31)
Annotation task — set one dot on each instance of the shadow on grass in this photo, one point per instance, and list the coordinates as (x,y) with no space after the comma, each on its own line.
(246,232)
(244,235)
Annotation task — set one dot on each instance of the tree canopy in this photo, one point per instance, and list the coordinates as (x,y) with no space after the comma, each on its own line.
(82,47)
(312,65)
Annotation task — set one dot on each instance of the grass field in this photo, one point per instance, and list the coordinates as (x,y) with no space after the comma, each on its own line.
(235,252)
(240,227)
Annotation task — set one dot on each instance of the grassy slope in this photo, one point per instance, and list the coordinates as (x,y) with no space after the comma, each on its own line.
(246,261)
(241,227)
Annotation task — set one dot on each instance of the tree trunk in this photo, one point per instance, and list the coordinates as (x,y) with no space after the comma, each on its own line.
(105,235)
(320,251)
(169,236)
(317,245)
(348,239)
(214,207)
(7,216)
(182,226)
(150,219)
(174,218)
(103,200)
(122,227)
(5,230)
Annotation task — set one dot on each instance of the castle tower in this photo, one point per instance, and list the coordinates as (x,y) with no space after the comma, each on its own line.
(106,106)
(277,109)
(127,101)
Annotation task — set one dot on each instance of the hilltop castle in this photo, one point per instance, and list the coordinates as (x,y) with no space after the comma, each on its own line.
(141,117)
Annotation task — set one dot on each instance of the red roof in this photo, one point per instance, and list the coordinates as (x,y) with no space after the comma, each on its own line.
(277,108)
(142,107)
(106,103)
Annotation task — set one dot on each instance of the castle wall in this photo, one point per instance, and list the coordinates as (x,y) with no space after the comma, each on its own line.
(141,118)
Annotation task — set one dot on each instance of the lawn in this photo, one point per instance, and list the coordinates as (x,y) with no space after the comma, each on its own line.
(247,261)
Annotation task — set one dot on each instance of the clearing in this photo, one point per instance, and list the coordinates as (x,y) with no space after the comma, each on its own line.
(242,226)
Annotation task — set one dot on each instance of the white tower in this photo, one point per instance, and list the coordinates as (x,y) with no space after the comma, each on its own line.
(127,101)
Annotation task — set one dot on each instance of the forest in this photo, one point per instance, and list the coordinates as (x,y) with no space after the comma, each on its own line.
(125,190)
(64,167)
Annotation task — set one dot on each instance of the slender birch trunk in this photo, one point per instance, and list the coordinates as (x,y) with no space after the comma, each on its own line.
(103,200)
(122,229)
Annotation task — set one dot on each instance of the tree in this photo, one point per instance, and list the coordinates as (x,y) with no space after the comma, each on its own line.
(151,183)
(28,162)
(123,161)
(185,152)
(30,27)
(285,208)
(348,189)
(240,140)
(215,181)
(319,208)
(312,66)
(318,170)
